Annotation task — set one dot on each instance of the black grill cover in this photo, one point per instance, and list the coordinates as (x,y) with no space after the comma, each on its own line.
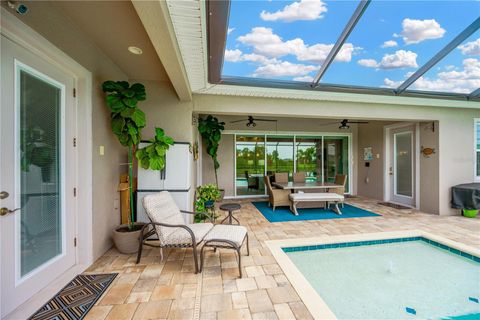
(466,196)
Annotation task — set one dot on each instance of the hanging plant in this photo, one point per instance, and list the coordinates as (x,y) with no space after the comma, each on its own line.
(153,155)
(211,131)
(127,122)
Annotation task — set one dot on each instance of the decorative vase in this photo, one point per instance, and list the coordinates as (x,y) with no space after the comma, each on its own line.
(470,213)
(126,240)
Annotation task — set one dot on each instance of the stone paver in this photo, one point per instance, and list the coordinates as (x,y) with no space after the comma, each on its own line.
(168,289)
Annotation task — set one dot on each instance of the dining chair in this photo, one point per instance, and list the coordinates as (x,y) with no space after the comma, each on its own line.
(276,197)
(299,177)
(281,177)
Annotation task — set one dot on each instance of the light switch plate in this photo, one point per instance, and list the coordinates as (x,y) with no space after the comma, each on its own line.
(101,150)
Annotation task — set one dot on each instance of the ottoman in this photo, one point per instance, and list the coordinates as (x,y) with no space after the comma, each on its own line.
(226,237)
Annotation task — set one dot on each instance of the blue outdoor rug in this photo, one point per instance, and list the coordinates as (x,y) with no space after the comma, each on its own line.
(283,214)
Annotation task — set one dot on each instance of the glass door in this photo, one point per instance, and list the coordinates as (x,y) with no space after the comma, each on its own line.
(250,165)
(308,157)
(402,170)
(280,155)
(335,158)
(37,168)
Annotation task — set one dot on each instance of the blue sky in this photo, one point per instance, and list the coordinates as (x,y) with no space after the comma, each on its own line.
(289,40)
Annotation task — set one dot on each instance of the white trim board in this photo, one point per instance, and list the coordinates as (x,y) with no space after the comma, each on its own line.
(21,34)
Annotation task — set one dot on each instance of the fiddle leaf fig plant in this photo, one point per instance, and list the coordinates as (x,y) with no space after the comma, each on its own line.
(211,131)
(127,122)
(153,156)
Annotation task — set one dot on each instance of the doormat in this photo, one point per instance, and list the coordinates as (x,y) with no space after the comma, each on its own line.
(75,299)
(394,205)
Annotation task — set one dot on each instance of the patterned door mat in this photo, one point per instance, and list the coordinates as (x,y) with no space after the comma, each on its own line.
(394,205)
(75,300)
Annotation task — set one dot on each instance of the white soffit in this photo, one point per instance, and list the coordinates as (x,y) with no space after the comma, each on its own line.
(188,20)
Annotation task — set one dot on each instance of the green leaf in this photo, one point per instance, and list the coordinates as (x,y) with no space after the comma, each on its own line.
(110,86)
(160,150)
(139,118)
(130,102)
(123,84)
(132,130)
(145,163)
(114,102)
(157,163)
(129,93)
(127,112)
(117,124)
(168,140)
(138,88)
(159,133)
(140,153)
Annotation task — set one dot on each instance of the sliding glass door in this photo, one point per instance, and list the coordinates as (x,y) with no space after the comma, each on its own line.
(309,157)
(250,165)
(280,155)
(320,157)
(335,158)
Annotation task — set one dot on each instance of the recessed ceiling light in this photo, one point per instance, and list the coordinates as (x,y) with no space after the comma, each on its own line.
(135,50)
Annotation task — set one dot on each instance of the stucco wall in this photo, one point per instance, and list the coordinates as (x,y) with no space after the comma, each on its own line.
(455,127)
(284,125)
(52,24)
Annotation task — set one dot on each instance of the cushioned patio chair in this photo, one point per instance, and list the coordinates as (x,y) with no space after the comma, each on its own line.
(281,177)
(276,197)
(340,179)
(299,177)
(168,223)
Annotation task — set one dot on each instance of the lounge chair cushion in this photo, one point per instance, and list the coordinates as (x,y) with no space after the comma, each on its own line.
(180,236)
(160,207)
(236,234)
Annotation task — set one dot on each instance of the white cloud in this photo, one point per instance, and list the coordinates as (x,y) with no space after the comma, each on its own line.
(267,43)
(304,79)
(283,69)
(416,31)
(464,80)
(237,56)
(233,55)
(303,10)
(389,44)
(399,59)
(230,30)
(471,48)
(391,83)
(319,52)
(370,63)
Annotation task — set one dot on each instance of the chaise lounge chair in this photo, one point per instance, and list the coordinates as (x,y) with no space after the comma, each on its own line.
(168,223)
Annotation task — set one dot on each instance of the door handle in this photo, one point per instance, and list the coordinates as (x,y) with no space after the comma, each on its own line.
(4,211)
(4,195)
(390,171)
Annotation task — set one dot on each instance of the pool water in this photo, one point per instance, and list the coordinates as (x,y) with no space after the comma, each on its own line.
(403,280)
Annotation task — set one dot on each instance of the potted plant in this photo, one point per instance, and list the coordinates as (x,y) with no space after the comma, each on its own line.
(127,122)
(470,213)
(205,197)
(211,131)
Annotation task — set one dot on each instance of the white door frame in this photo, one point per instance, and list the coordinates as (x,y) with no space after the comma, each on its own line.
(15,30)
(387,159)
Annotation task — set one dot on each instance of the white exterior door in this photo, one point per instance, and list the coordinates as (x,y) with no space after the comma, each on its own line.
(402,166)
(37,222)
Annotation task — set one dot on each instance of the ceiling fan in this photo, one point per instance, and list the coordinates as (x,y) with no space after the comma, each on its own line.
(344,124)
(251,121)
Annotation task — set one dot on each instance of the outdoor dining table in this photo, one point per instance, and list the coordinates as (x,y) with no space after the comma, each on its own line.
(311,185)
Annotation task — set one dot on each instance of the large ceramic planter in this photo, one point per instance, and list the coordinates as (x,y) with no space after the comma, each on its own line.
(470,213)
(126,241)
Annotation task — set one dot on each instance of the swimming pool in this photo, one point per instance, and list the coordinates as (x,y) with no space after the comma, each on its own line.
(405,277)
